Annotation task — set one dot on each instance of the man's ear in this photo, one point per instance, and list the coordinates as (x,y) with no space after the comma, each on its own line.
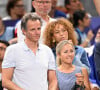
(33,3)
(23,31)
(79,22)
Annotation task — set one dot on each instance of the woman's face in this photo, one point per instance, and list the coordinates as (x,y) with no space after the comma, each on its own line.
(97,39)
(60,33)
(67,54)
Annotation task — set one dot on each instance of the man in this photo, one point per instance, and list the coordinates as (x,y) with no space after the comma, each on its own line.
(29,65)
(81,21)
(90,51)
(72,6)
(3,46)
(15,10)
(42,8)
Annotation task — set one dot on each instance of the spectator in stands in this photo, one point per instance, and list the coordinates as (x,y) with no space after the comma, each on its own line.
(97,61)
(54,13)
(67,73)
(3,46)
(42,8)
(72,6)
(7,34)
(97,5)
(81,21)
(60,30)
(15,10)
(29,65)
(61,6)
(90,51)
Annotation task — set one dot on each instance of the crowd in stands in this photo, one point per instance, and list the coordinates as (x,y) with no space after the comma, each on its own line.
(61,31)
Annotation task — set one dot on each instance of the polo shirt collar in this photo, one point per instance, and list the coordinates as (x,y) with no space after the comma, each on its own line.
(26,47)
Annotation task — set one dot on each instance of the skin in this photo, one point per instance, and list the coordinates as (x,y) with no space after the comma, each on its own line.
(97,5)
(74,5)
(60,33)
(85,22)
(97,39)
(42,7)
(19,8)
(2,50)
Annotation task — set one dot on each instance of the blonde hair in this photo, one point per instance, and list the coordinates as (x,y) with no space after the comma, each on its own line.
(59,48)
(49,31)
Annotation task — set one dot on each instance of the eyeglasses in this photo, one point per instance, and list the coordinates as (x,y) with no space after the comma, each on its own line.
(19,6)
(42,2)
(2,49)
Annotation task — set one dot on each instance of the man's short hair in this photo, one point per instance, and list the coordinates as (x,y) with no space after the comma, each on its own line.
(29,16)
(5,42)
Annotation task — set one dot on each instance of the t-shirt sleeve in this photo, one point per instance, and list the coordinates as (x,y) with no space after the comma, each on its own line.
(52,64)
(9,60)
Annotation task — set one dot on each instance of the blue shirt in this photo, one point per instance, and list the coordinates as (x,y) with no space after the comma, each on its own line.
(59,14)
(8,34)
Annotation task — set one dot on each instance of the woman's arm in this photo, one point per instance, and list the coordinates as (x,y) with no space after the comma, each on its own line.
(86,79)
(97,5)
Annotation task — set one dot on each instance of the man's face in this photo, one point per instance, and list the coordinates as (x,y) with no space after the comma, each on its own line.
(33,31)
(75,5)
(86,20)
(54,2)
(97,38)
(2,50)
(42,6)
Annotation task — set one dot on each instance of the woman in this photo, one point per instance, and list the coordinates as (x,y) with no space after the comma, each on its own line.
(62,29)
(67,72)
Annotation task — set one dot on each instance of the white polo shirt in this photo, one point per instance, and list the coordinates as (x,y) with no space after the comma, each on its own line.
(30,71)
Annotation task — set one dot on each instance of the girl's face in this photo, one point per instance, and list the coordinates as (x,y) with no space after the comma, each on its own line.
(60,33)
(67,54)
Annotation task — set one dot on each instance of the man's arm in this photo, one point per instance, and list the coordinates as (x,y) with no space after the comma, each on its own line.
(97,5)
(52,80)
(7,74)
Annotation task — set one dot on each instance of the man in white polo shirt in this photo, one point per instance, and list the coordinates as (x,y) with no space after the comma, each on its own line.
(29,65)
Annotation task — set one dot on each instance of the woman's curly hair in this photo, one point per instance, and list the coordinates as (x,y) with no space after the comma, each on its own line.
(49,31)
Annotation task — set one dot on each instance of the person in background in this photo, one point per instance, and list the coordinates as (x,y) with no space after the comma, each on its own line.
(42,8)
(97,61)
(15,10)
(29,65)
(90,51)
(54,13)
(81,21)
(3,46)
(72,6)
(62,29)
(7,34)
(69,75)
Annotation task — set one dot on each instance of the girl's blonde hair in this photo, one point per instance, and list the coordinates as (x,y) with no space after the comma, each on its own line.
(59,48)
